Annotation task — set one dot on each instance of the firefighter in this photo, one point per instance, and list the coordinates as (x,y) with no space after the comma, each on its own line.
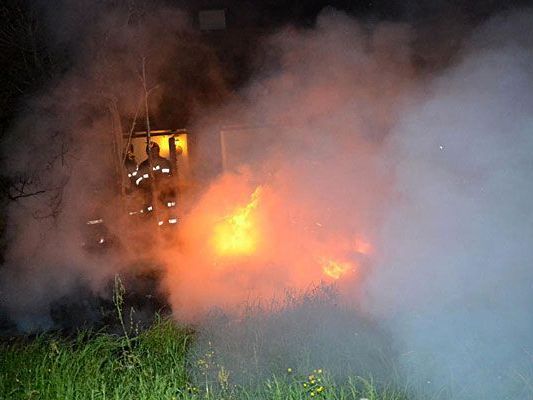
(132,169)
(154,179)
(134,199)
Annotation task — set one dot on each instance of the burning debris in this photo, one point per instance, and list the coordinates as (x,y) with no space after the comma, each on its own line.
(335,269)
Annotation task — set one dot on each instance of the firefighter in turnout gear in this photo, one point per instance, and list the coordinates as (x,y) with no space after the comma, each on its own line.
(132,169)
(154,180)
(134,198)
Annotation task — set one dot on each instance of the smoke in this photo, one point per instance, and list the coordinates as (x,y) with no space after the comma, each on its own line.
(303,149)
(62,153)
(315,159)
(432,170)
(455,255)
(302,332)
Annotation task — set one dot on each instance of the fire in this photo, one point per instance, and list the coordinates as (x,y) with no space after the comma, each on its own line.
(236,234)
(242,242)
(335,269)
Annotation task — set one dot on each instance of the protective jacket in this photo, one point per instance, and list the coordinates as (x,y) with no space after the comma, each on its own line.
(159,190)
(161,169)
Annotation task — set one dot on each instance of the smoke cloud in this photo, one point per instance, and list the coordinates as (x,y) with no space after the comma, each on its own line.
(455,258)
(433,170)
(61,155)
(315,161)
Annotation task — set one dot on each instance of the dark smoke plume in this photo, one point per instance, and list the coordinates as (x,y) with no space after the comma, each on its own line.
(61,155)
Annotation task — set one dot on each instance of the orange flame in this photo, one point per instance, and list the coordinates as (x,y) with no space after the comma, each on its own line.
(243,242)
(335,269)
(236,233)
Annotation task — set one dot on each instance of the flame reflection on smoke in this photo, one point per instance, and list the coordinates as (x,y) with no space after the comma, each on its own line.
(247,242)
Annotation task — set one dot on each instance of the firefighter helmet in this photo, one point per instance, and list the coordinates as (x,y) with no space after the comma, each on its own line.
(152,148)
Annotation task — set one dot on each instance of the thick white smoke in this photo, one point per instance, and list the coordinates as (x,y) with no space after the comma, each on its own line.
(434,169)
(455,277)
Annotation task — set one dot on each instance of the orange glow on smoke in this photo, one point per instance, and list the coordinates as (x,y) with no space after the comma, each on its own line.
(245,243)
(237,234)
(362,246)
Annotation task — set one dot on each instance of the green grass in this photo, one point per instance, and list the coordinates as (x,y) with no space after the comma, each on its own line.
(96,366)
(150,365)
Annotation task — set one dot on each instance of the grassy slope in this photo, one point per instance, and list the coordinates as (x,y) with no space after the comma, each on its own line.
(150,366)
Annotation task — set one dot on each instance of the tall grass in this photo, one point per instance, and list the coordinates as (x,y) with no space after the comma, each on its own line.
(96,366)
(149,365)
(156,363)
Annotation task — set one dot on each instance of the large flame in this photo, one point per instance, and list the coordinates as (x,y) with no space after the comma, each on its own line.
(237,234)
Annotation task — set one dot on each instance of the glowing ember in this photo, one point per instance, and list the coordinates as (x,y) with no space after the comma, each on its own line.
(236,233)
(335,269)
